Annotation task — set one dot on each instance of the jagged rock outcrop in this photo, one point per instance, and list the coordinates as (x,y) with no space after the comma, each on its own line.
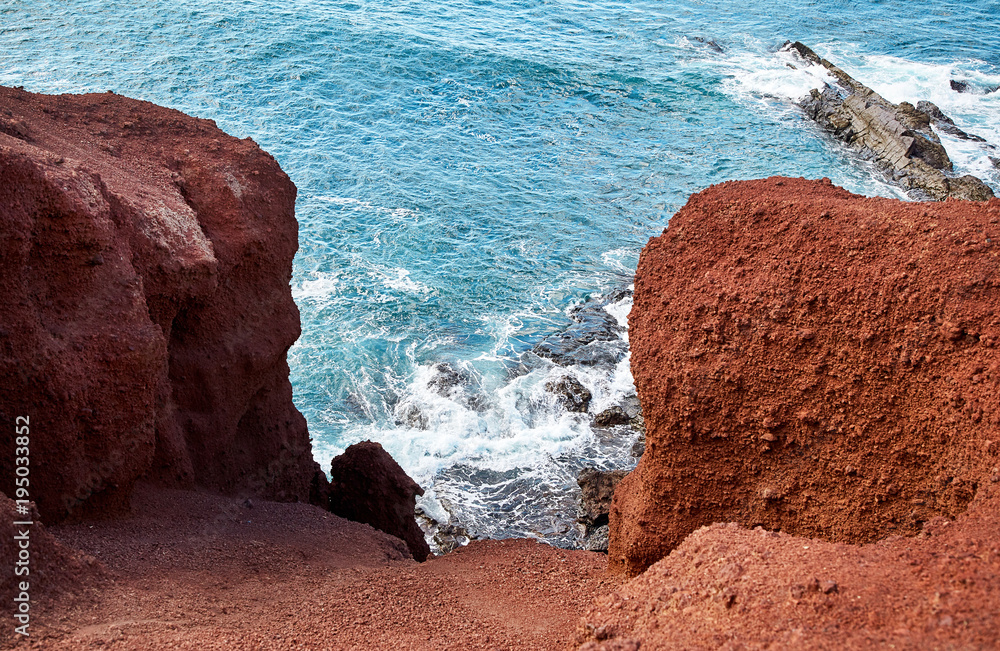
(813,362)
(572,395)
(898,137)
(367,485)
(592,339)
(824,365)
(145,309)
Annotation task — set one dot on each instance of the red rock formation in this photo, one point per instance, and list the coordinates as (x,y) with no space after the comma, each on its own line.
(826,365)
(368,486)
(145,309)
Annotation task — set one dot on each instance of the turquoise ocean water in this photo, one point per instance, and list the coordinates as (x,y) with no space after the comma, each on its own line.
(471,170)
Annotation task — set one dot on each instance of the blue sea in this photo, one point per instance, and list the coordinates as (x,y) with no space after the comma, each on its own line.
(470,172)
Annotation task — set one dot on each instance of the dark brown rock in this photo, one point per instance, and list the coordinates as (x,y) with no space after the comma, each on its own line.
(612,416)
(572,395)
(597,488)
(145,304)
(367,485)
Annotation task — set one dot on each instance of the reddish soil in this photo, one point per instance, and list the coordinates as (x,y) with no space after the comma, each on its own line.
(809,362)
(727,587)
(198,571)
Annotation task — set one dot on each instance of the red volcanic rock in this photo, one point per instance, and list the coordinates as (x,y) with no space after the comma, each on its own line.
(825,365)
(145,309)
(814,362)
(727,587)
(367,485)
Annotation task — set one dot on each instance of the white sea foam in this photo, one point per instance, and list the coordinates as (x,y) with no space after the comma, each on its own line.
(622,259)
(620,310)
(321,289)
(780,75)
(399,280)
(488,421)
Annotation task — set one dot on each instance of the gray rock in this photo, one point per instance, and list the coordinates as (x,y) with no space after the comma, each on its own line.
(597,541)
(899,138)
(597,488)
(447,378)
(446,536)
(594,337)
(709,43)
(639,447)
(943,123)
(961,86)
(411,416)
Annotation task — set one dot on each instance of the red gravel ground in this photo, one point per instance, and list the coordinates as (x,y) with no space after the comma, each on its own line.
(198,571)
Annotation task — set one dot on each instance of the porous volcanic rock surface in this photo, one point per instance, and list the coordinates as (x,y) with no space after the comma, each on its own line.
(367,485)
(145,308)
(824,365)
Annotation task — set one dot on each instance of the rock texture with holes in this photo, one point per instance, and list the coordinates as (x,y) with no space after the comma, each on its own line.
(822,365)
(814,362)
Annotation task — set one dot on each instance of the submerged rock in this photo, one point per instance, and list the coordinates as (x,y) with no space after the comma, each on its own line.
(709,43)
(962,86)
(593,339)
(898,137)
(447,379)
(367,485)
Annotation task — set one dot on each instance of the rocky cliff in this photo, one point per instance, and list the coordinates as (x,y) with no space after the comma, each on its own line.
(822,365)
(145,309)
